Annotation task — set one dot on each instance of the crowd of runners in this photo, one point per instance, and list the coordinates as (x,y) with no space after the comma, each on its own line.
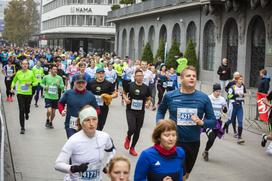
(82,86)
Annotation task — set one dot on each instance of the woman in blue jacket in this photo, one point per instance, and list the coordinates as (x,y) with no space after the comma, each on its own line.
(163,161)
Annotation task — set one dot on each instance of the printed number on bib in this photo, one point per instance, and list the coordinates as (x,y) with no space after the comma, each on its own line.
(136,104)
(53,89)
(184,116)
(9,72)
(24,88)
(99,100)
(73,123)
(92,173)
(170,84)
(164,84)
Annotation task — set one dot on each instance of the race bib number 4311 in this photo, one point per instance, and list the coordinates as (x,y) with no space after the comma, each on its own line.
(184,116)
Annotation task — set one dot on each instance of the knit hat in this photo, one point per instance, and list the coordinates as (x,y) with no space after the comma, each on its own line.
(86,113)
(216,87)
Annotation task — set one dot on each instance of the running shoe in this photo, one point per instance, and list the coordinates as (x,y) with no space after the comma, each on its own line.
(127,143)
(240,140)
(133,152)
(205,155)
(235,135)
(51,125)
(263,143)
(22,131)
(11,99)
(7,99)
(47,123)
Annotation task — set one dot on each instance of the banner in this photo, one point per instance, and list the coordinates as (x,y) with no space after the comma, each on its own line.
(262,107)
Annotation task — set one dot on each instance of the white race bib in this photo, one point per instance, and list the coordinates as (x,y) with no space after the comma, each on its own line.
(99,100)
(92,173)
(164,84)
(45,69)
(73,123)
(170,84)
(9,72)
(52,89)
(24,88)
(136,104)
(184,116)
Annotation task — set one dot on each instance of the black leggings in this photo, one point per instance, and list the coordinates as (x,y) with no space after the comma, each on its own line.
(191,150)
(24,102)
(161,91)
(135,120)
(8,86)
(211,138)
(102,117)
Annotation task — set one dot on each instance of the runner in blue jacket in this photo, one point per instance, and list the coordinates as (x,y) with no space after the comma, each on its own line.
(190,109)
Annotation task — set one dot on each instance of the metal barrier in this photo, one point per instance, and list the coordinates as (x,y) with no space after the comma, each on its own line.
(7,171)
(250,107)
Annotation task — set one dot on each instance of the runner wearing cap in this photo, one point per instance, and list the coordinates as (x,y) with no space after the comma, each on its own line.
(75,99)
(104,92)
(219,105)
(87,77)
(51,83)
(137,96)
(89,150)
(26,80)
(191,110)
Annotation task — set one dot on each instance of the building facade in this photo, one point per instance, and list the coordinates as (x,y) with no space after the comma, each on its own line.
(77,25)
(240,30)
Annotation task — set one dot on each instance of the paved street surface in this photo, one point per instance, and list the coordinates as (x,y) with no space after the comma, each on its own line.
(35,152)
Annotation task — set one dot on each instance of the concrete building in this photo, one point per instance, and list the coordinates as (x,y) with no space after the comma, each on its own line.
(240,30)
(78,24)
(3,5)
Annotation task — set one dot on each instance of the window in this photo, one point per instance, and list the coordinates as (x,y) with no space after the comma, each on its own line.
(80,20)
(89,20)
(73,20)
(209,46)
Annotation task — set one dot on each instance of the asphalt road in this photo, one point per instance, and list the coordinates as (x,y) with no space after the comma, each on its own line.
(34,153)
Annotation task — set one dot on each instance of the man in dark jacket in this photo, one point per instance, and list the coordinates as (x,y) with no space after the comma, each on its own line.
(263,85)
(224,73)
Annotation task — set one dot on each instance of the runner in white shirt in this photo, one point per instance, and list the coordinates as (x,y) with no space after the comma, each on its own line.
(91,70)
(219,105)
(110,74)
(89,150)
(148,75)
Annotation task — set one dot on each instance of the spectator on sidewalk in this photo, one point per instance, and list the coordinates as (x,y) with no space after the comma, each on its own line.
(224,73)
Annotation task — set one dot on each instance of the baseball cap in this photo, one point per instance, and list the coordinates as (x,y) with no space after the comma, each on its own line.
(80,78)
(100,70)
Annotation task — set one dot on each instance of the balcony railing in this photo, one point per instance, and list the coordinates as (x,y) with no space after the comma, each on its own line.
(146,6)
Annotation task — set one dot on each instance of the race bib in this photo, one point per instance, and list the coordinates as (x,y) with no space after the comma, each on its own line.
(38,76)
(92,173)
(9,72)
(45,69)
(184,116)
(217,112)
(73,123)
(164,84)
(136,104)
(170,84)
(24,88)
(99,100)
(52,89)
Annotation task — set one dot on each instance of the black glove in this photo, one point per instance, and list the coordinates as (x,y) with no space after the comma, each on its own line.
(225,109)
(79,168)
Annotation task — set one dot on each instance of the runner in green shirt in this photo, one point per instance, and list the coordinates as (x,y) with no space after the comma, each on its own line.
(51,84)
(38,73)
(26,80)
